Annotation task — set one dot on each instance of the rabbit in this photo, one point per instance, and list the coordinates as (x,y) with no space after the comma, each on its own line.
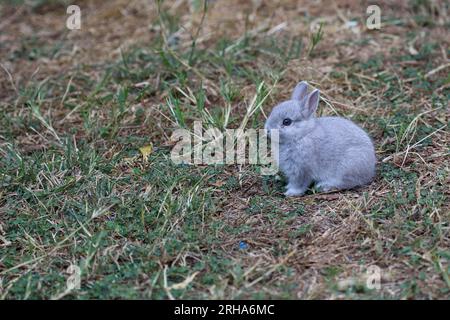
(331,151)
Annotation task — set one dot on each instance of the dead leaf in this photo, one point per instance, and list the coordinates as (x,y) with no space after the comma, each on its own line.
(185,283)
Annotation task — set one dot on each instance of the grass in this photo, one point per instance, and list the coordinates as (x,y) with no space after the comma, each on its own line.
(76,107)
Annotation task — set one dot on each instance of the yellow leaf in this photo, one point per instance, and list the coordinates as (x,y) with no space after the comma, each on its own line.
(146,151)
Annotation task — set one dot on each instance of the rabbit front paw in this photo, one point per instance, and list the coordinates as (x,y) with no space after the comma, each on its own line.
(292,192)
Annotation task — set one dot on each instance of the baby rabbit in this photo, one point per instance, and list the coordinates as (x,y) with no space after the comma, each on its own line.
(331,151)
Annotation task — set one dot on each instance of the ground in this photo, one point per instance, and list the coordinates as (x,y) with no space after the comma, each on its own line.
(77,194)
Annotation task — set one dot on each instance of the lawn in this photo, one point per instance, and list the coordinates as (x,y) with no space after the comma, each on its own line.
(88,187)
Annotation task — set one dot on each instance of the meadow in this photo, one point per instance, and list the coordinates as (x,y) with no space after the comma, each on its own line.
(87,183)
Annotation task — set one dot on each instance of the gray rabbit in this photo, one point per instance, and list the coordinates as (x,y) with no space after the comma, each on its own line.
(331,151)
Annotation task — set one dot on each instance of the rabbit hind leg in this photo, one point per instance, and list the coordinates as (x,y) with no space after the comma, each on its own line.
(346,182)
(297,187)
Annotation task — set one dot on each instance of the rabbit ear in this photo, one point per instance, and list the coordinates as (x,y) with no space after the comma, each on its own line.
(300,91)
(312,102)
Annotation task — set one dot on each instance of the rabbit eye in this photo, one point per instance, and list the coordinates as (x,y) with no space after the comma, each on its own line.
(287,122)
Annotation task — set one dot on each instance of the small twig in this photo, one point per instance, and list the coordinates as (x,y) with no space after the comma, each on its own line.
(442,67)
